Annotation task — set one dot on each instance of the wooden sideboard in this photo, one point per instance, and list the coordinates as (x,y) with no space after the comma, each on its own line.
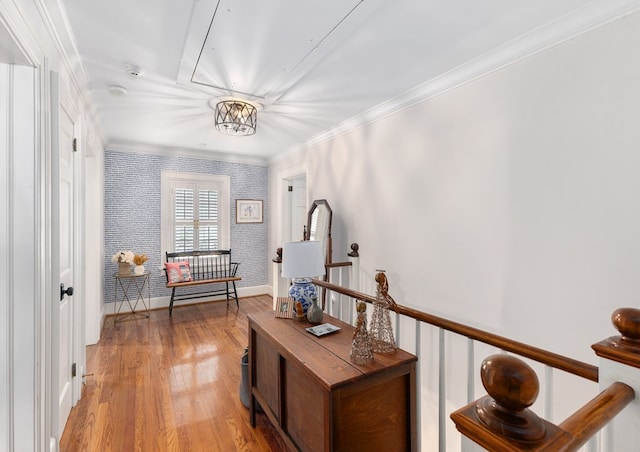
(318,399)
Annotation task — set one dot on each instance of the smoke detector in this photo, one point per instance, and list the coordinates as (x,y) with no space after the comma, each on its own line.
(134,71)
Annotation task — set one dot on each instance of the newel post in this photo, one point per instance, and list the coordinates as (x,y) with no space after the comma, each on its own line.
(280,284)
(502,419)
(354,258)
(620,361)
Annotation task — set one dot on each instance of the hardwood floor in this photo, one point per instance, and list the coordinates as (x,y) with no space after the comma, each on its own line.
(170,384)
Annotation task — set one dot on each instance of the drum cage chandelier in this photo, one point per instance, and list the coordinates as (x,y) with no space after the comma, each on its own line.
(235,117)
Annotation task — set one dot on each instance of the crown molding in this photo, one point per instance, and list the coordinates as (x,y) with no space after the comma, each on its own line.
(587,18)
(185,152)
(22,35)
(55,19)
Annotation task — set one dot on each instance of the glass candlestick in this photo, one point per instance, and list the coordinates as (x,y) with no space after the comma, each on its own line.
(361,350)
(381,330)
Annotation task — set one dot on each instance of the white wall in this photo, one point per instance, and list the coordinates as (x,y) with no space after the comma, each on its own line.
(509,203)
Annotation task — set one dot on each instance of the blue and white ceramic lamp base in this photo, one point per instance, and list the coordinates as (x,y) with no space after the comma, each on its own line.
(303,290)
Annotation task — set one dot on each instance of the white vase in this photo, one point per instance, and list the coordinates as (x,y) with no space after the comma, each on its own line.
(138,269)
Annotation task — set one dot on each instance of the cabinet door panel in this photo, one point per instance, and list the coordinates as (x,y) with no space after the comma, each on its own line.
(375,416)
(267,375)
(304,409)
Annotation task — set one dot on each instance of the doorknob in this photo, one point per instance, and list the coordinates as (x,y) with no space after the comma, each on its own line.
(68,291)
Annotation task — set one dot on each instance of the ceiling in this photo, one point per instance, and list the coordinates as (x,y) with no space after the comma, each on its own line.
(312,67)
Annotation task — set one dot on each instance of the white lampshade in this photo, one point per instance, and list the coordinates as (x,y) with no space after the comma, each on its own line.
(302,259)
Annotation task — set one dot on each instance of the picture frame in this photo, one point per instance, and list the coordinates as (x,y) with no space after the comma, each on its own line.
(249,211)
(284,307)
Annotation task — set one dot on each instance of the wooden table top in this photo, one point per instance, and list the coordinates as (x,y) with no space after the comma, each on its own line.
(328,356)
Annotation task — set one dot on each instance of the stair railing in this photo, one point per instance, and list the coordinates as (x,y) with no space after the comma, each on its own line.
(570,434)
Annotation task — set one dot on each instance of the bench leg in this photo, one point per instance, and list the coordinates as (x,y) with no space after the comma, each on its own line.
(227,284)
(173,294)
(235,293)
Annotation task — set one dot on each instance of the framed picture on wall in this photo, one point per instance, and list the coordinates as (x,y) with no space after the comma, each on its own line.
(248,211)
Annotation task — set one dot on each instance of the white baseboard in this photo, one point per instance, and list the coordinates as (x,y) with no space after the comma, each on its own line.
(163,302)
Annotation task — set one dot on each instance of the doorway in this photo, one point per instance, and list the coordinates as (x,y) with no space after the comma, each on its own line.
(292,218)
(296,202)
(68,345)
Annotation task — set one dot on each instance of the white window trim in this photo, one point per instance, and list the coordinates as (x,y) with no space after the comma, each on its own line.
(224,212)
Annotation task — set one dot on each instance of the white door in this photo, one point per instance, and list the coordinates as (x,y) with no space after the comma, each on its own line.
(66,307)
(295,208)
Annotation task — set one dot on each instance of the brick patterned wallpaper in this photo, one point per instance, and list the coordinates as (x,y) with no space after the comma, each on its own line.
(132,213)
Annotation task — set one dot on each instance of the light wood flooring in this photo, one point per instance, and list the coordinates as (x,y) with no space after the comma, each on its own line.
(170,384)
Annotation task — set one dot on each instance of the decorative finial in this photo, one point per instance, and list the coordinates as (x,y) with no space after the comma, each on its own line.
(278,258)
(627,322)
(512,387)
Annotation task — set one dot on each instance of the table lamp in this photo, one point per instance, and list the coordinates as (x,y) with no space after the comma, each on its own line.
(302,261)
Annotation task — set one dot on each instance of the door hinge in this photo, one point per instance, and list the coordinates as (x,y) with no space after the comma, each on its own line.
(73,370)
(290,187)
(75,145)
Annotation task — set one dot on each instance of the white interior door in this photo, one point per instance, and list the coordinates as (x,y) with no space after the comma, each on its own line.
(297,208)
(293,214)
(66,307)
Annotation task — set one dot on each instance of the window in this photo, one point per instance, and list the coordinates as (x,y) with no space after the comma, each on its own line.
(195,212)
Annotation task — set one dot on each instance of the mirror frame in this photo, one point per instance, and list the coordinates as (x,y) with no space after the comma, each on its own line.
(329,251)
(315,205)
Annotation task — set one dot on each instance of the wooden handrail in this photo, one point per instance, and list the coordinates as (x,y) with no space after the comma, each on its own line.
(555,360)
(597,413)
(344,290)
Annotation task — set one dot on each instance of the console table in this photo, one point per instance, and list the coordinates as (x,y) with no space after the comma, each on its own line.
(318,399)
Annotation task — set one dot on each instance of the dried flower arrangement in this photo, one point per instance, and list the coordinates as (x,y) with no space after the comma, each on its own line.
(123,256)
(140,259)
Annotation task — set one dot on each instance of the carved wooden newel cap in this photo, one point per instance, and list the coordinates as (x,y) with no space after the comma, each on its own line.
(627,322)
(512,387)
(624,348)
(278,258)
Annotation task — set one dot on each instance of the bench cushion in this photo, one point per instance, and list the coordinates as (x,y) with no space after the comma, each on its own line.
(178,272)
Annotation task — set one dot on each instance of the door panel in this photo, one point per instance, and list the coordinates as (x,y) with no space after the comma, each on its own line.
(66,306)
(298,208)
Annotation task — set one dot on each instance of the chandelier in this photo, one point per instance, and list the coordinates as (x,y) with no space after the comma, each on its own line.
(235,117)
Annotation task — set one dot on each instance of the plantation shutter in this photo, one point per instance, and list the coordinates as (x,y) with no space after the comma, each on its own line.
(196,217)
(184,226)
(208,220)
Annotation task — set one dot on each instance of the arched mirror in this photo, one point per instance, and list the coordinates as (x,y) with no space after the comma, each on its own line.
(319,225)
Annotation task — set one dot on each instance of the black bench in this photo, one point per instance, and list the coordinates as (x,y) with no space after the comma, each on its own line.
(204,267)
